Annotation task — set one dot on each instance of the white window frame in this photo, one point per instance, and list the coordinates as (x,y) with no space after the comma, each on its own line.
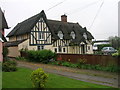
(41,47)
(40,36)
(60,34)
(85,35)
(72,34)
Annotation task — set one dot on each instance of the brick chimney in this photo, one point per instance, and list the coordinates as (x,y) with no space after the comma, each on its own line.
(64,18)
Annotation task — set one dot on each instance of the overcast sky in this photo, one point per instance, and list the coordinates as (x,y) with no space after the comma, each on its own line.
(100,17)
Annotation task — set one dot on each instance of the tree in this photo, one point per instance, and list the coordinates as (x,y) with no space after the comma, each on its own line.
(115,42)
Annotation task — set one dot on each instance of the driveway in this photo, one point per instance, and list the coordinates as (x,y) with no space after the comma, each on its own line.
(92,76)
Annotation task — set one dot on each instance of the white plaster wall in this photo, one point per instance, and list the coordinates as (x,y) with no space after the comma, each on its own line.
(26,45)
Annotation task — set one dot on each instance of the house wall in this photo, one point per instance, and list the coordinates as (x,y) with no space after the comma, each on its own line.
(74,50)
(12,38)
(20,37)
(61,49)
(69,49)
(89,51)
(89,47)
(49,47)
(13,51)
(25,45)
(40,34)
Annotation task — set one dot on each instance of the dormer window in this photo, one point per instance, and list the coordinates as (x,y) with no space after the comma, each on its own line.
(60,34)
(85,35)
(72,34)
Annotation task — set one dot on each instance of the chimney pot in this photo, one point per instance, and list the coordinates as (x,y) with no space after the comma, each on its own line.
(64,18)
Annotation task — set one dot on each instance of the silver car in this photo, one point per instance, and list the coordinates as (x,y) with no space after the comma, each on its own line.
(108,50)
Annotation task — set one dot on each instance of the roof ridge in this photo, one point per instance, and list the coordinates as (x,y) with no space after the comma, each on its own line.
(61,21)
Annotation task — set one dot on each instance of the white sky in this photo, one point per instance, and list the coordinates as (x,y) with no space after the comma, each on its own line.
(81,11)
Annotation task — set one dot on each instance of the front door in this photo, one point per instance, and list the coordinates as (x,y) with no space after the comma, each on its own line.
(82,49)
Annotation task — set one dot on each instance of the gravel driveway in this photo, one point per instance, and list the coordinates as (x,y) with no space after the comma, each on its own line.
(93,76)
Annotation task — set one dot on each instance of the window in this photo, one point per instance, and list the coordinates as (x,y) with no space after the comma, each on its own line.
(110,48)
(64,50)
(60,50)
(85,35)
(40,47)
(105,48)
(60,34)
(88,47)
(55,49)
(41,36)
(72,34)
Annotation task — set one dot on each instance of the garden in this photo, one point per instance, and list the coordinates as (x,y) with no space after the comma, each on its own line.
(48,57)
(17,77)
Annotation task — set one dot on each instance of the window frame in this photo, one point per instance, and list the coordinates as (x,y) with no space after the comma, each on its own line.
(55,49)
(85,36)
(40,47)
(64,49)
(41,36)
(73,33)
(60,34)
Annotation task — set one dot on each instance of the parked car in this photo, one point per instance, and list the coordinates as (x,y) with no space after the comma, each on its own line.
(108,50)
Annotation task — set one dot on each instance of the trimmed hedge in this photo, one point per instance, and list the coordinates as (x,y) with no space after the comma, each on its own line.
(43,56)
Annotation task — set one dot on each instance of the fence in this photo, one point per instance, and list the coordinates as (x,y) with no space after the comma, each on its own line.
(103,60)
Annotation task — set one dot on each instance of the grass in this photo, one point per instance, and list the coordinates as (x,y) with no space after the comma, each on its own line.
(21,79)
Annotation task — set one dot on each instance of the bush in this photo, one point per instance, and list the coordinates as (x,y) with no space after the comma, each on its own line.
(82,65)
(81,62)
(43,56)
(64,63)
(9,66)
(20,58)
(38,78)
(117,54)
(73,65)
(67,64)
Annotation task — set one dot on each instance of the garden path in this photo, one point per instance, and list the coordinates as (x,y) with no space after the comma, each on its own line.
(92,76)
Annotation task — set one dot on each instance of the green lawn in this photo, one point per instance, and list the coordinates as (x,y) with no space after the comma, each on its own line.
(20,79)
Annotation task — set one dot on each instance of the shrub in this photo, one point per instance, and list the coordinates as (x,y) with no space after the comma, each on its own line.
(81,62)
(20,58)
(38,78)
(73,65)
(46,55)
(67,64)
(43,56)
(117,54)
(9,66)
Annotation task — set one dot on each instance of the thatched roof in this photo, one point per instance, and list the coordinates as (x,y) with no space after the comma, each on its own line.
(54,26)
